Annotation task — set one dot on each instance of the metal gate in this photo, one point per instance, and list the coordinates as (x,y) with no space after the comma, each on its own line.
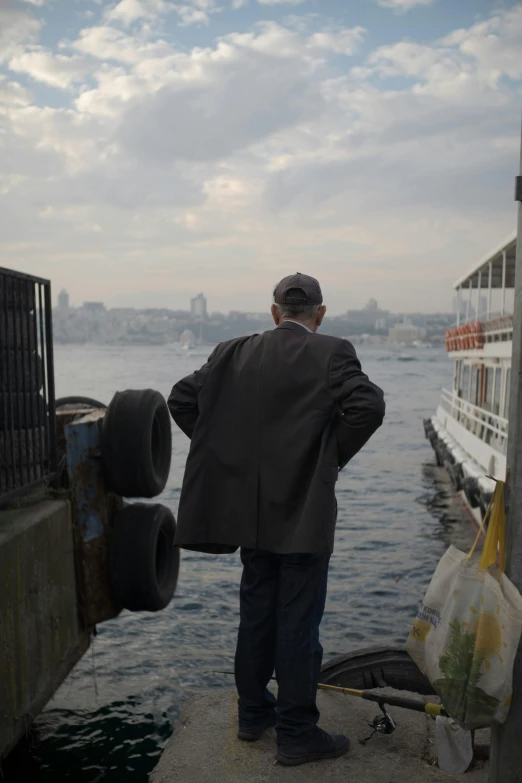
(27,403)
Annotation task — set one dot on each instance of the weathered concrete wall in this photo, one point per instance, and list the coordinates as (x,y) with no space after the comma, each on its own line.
(40,635)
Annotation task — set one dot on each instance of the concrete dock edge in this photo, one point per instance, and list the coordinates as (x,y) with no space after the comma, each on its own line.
(204,747)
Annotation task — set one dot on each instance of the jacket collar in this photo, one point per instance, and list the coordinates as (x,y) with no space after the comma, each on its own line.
(293,326)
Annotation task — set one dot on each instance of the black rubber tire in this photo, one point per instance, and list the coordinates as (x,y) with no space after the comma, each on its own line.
(455,474)
(376,667)
(19,370)
(470,487)
(433,438)
(26,410)
(440,454)
(86,402)
(137,444)
(143,561)
(428,427)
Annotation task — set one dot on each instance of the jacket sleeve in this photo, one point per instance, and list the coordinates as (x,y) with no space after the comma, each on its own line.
(183,400)
(361,402)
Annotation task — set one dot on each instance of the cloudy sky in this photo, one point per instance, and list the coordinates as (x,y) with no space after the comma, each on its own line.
(150,149)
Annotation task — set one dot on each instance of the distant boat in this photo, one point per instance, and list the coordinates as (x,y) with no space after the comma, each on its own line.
(187,340)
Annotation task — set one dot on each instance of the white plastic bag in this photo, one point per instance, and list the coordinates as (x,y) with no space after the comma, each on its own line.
(468,629)
(454,746)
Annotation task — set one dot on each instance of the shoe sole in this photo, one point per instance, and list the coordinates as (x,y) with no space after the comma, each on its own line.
(242,735)
(248,737)
(296,761)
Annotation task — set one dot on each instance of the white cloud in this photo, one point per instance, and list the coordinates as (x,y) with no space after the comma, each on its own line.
(107,43)
(38,3)
(197,76)
(282,42)
(128,11)
(115,89)
(473,58)
(190,15)
(190,12)
(196,12)
(57,70)
(404,5)
(12,93)
(216,102)
(281,2)
(16,28)
(265,146)
(345,41)
(493,45)
(239,3)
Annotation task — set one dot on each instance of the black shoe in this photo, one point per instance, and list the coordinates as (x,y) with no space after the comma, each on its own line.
(316,746)
(253,733)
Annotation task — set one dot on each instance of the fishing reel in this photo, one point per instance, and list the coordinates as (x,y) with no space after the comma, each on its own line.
(382,724)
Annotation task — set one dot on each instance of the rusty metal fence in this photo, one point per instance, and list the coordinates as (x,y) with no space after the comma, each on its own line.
(27,403)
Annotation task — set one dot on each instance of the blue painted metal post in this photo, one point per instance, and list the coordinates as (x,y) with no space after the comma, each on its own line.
(92,511)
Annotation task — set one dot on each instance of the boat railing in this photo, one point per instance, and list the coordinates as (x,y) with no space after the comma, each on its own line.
(486,425)
(474,335)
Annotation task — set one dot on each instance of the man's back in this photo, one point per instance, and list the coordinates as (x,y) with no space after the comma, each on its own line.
(271,417)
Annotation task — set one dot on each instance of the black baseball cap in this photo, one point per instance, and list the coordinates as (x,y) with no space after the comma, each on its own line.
(303,289)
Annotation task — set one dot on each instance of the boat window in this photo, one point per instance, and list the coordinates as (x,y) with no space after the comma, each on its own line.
(489,383)
(508,389)
(474,386)
(497,391)
(456,377)
(464,381)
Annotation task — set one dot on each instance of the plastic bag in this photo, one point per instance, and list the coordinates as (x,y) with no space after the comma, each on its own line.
(454,746)
(468,628)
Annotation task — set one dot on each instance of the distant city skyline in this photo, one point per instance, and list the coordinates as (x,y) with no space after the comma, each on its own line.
(92,322)
(153,149)
(197,307)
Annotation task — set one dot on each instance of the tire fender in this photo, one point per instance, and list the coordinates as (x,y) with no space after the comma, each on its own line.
(137,444)
(143,561)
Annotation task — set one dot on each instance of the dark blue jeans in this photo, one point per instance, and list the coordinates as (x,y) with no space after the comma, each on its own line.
(282,602)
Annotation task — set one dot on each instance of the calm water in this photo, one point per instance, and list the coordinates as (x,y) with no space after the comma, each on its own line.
(112,716)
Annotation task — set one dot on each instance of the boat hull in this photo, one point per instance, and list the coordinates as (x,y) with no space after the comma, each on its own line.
(468,477)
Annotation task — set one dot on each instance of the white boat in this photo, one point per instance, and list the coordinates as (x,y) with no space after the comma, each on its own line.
(187,340)
(470,428)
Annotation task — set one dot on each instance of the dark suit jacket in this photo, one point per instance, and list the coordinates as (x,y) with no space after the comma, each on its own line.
(272,418)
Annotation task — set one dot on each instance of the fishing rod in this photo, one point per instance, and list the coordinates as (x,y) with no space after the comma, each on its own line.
(385,723)
(435,710)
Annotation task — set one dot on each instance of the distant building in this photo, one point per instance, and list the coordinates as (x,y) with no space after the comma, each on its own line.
(198,307)
(363,321)
(63,300)
(94,307)
(405,334)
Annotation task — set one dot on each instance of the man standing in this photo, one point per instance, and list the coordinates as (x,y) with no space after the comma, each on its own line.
(272,418)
